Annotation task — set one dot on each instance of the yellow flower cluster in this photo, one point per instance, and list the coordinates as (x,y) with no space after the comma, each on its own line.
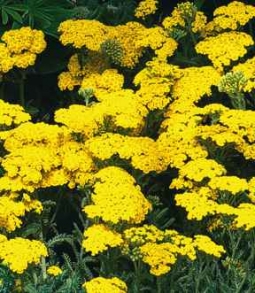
(91,34)
(205,244)
(188,89)
(245,216)
(225,47)
(116,198)
(42,155)
(128,35)
(201,202)
(28,164)
(160,249)
(179,143)
(137,236)
(18,253)
(120,109)
(98,238)
(83,33)
(233,15)
(95,64)
(11,115)
(109,81)
(20,47)
(158,40)
(155,82)
(198,204)
(185,17)
(143,152)
(232,184)
(247,69)
(199,169)
(54,271)
(160,257)
(145,8)
(11,210)
(104,285)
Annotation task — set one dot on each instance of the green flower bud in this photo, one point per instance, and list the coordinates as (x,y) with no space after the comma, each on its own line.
(113,50)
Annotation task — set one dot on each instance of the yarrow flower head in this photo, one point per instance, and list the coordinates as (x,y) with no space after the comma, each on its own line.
(145,8)
(225,47)
(116,198)
(233,15)
(105,285)
(99,238)
(19,48)
(54,271)
(18,253)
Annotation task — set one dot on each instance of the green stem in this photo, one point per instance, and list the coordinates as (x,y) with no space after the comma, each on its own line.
(240,287)
(159,285)
(194,41)
(137,265)
(43,266)
(43,261)
(238,101)
(189,28)
(234,243)
(35,278)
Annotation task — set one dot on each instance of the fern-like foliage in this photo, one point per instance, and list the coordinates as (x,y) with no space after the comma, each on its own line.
(6,280)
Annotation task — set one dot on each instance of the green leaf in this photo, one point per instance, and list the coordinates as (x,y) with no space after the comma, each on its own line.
(32,110)
(5,17)
(14,14)
(43,14)
(60,239)
(31,229)
(29,288)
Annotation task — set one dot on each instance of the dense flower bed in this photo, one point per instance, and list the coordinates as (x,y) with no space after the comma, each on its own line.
(145,179)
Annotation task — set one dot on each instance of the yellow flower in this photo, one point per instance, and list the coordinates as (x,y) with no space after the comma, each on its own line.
(12,211)
(24,39)
(225,47)
(20,48)
(233,15)
(205,244)
(18,253)
(197,205)
(142,151)
(104,285)
(183,16)
(160,257)
(116,198)
(108,82)
(146,7)
(232,184)
(199,169)
(54,271)
(248,71)
(245,216)
(83,33)
(11,115)
(99,238)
